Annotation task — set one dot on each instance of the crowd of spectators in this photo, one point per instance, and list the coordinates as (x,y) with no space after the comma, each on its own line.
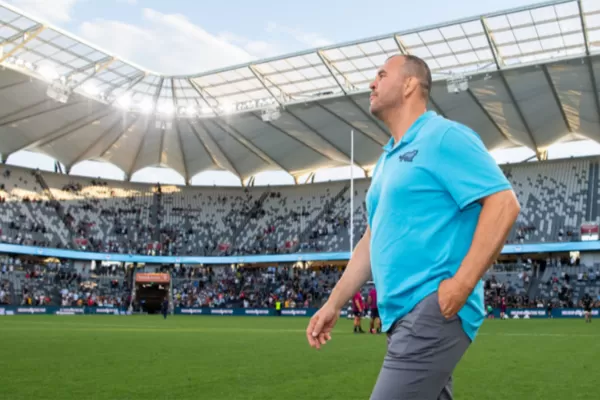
(254,287)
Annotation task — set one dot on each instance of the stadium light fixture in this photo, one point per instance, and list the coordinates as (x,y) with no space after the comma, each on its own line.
(457,83)
(91,89)
(166,108)
(191,110)
(227,108)
(146,105)
(205,110)
(48,72)
(124,102)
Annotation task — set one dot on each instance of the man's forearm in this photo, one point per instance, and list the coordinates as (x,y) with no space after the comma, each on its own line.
(498,214)
(356,274)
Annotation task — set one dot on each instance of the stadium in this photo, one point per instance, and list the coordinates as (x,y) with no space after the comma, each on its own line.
(243,266)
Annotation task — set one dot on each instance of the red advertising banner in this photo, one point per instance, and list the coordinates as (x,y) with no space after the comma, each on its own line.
(152,277)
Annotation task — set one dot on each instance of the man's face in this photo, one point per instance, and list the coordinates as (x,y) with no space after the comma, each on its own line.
(387,90)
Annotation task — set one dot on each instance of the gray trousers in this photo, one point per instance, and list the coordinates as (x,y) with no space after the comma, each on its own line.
(422,351)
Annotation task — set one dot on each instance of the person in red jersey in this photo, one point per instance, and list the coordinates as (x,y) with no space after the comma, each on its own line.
(372,303)
(358,307)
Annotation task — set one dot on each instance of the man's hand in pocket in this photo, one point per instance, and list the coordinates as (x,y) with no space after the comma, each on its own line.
(452,296)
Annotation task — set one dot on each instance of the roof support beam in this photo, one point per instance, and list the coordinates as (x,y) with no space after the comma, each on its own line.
(36,114)
(71,127)
(161,149)
(492,43)
(27,107)
(313,130)
(588,59)
(10,85)
(200,92)
(163,127)
(20,34)
(262,79)
(488,115)
(203,143)
(400,45)
(106,61)
(499,65)
(374,139)
(316,150)
(235,134)
(81,156)
(27,37)
(134,120)
(310,178)
(185,167)
(330,67)
(179,140)
(520,113)
(222,154)
(556,97)
(132,82)
(97,68)
(131,170)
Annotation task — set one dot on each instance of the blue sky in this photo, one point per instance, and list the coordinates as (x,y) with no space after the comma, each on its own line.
(188,36)
(204,34)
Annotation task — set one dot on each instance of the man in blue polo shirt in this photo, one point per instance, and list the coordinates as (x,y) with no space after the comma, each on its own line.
(439,211)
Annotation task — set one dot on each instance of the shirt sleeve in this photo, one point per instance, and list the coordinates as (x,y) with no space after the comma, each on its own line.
(466,169)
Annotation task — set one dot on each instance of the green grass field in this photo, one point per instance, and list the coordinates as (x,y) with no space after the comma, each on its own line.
(192,357)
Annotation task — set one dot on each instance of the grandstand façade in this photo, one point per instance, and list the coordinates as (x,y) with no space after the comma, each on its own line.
(520,78)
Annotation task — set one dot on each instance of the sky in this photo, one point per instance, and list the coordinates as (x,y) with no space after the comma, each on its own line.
(191,36)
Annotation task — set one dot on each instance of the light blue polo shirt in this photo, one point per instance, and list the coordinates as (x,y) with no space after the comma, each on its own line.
(423,210)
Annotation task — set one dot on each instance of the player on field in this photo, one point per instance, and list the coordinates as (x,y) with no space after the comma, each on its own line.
(439,210)
(358,306)
(503,308)
(165,307)
(372,303)
(587,301)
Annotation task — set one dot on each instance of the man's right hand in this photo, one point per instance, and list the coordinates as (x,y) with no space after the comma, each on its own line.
(321,324)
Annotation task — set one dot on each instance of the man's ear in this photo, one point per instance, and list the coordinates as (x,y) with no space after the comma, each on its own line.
(410,85)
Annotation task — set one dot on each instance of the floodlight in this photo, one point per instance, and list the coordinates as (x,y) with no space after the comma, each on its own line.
(91,89)
(271,114)
(146,105)
(124,101)
(191,110)
(205,110)
(227,108)
(166,108)
(457,84)
(48,72)
(58,91)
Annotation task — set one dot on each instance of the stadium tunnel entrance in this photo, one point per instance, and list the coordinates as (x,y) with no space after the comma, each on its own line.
(151,289)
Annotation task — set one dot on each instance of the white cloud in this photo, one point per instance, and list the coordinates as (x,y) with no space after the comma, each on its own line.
(308,39)
(258,48)
(168,43)
(54,11)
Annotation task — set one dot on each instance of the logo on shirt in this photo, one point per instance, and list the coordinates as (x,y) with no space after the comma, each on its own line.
(408,156)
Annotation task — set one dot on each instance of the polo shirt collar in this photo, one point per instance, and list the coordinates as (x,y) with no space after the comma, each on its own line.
(411,133)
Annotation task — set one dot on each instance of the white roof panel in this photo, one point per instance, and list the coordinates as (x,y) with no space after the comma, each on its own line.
(507,46)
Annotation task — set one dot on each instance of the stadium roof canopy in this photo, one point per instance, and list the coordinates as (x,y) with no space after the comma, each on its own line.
(532,76)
